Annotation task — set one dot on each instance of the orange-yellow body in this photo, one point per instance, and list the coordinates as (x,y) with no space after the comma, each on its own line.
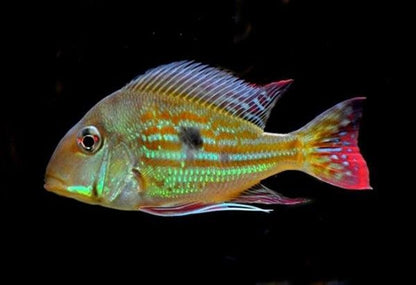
(235,154)
(186,134)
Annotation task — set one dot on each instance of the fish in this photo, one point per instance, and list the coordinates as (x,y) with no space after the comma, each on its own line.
(187,138)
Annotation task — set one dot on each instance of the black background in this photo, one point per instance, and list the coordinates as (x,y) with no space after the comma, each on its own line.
(70,55)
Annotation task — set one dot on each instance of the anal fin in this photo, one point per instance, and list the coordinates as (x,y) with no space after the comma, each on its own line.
(260,194)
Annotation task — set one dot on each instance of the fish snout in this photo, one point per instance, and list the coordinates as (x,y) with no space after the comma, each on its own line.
(54,183)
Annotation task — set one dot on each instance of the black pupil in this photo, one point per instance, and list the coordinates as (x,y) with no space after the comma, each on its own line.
(88,141)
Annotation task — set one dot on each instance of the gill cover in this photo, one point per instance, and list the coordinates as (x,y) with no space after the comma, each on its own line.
(117,183)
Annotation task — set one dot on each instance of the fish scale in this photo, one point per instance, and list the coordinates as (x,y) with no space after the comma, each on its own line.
(186,138)
(222,152)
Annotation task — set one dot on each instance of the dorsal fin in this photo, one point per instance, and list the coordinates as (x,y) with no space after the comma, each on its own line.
(212,87)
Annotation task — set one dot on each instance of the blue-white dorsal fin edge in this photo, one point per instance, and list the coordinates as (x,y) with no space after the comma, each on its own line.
(260,194)
(214,88)
(196,208)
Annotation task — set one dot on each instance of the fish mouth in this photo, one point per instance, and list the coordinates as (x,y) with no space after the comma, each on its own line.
(54,184)
(58,186)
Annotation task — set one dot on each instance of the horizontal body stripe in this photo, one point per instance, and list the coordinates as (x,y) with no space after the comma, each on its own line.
(167,142)
(159,130)
(233,156)
(179,160)
(214,156)
(209,171)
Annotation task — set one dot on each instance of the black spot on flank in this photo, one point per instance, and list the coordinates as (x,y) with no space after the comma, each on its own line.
(191,137)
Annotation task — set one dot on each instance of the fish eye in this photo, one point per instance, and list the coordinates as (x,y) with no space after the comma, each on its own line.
(89,139)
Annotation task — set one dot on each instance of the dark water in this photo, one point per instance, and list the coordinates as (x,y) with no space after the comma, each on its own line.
(79,52)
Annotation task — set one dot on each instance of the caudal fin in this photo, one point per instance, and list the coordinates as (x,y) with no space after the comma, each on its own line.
(330,146)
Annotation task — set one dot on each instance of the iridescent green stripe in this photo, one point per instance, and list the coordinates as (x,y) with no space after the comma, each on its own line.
(261,155)
(80,189)
(170,138)
(164,154)
(160,137)
(179,181)
(101,178)
(210,173)
(158,122)
(214,156)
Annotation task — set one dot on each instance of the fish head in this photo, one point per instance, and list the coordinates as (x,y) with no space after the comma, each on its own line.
(73,167)
(94,165)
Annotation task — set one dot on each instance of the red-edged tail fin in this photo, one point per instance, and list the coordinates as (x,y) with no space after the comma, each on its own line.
(330,146)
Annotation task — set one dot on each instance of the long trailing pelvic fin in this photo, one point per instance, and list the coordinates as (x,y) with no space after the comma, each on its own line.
(197,208)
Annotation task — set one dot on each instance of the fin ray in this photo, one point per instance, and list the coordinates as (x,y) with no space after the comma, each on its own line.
(260,194)
(212,87)
(196,208)
(331,146)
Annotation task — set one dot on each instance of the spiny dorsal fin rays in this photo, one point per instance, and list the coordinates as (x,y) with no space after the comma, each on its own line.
(183,89)
(146,79)
(211,87)
(174,73)
(278,88)
(160,83)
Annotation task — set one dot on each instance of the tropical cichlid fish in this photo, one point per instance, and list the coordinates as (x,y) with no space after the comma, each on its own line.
(186,138)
